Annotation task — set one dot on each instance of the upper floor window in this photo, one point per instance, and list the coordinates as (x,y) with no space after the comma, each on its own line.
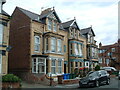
(59,44)
(47,44)
(71,32)
(88,38)
(113,49)
(71,48)
(78,49)
(53,44)
(1,35)
(49,24)
(37,44)
(54,27)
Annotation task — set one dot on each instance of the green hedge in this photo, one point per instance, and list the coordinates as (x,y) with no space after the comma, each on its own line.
(10,78)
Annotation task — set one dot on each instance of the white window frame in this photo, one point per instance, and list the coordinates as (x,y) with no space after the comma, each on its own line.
(76,48)
(36,44)
(36,64)
(53,44)
(107,61)
(80,49)
(53,67)
(113,49)
(55,27)
(59,66)
(100,60)
(47,44)
(1,34)
(49,24)
(59,46)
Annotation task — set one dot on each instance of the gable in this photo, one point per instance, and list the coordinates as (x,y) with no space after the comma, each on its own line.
(74,24)
(52,16)
(91,32)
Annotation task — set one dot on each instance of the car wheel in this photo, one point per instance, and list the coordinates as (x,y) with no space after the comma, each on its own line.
(108,82)
(97,84)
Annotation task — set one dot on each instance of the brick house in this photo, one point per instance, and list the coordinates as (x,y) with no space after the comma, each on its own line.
(109,55)
(4,38)
(42,44)
(76,45)
(92,49)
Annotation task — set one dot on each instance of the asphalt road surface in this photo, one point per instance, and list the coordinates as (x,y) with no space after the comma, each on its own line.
(114,85)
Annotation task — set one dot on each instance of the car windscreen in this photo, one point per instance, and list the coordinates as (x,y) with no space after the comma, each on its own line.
(92,74)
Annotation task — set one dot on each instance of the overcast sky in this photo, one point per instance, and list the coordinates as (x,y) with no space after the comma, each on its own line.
(101,14)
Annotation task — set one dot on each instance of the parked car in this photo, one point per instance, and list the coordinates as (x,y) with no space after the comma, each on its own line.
(95,78)
(119,75)
(109,68)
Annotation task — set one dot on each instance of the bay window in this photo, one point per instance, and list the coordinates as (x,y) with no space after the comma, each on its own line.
(53,44)
(59,44)
(80,49)
(71,48)
(47,44)
(38,65)
(76,48)
(37,44)
(60,66)
(53,66)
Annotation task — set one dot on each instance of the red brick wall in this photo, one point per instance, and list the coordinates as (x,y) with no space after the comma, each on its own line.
(19,55)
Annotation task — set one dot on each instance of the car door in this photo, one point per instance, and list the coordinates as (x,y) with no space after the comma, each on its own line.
(103,76)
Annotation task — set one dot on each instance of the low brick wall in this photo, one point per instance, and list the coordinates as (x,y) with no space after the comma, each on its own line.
(71,81)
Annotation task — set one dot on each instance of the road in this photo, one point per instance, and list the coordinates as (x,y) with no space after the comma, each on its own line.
(114,84)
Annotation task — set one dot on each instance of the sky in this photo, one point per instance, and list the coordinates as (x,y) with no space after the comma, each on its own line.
(102,15)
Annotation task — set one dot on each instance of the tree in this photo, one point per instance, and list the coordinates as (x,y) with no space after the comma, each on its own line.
(97,67)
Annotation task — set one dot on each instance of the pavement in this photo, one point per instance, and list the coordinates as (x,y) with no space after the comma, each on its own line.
(31,85)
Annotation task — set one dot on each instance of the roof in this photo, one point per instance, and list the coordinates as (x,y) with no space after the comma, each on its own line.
(30,14)
(87,30)
(4,13)
(48,12)
(38,17)
(67,24)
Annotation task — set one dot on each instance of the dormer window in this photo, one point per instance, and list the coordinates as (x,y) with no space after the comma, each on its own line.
(49,24)
(54,27)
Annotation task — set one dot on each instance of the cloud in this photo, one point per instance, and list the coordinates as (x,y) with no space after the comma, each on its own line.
(101,14)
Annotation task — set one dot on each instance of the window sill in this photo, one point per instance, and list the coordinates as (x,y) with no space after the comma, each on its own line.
(53,53)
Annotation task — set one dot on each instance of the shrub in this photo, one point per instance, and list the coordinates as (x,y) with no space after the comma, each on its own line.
(10,78)
(97,68)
